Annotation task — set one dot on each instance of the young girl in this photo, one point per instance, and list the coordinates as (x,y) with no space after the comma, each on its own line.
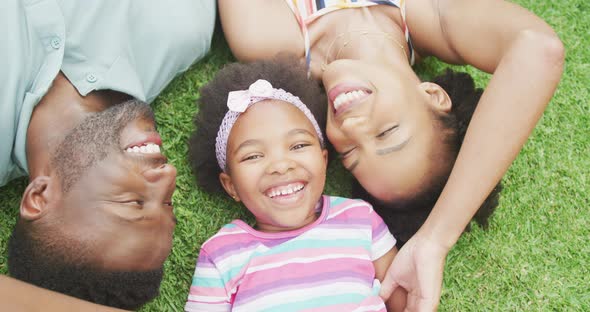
(261,144)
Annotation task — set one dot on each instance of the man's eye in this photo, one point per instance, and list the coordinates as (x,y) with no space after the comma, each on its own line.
(386,132)
(134,202)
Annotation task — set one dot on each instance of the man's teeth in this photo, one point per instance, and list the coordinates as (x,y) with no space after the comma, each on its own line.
(347,97)
(285,190)
(147,148)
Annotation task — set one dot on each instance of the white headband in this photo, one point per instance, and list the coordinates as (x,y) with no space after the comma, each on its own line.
(239,101)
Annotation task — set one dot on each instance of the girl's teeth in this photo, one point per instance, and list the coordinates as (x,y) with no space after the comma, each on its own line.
(285,191)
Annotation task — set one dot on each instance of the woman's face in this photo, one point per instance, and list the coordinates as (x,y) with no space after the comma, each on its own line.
(381,122)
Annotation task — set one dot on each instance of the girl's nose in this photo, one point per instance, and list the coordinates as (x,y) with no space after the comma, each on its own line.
(280,166)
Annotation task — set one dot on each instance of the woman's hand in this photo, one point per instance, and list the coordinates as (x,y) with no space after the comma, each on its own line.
(418,268)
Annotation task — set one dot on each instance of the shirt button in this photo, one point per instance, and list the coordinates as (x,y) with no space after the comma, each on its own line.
(55,43)
(91,78)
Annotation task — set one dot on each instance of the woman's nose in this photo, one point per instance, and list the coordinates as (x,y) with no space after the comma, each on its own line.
(354,128)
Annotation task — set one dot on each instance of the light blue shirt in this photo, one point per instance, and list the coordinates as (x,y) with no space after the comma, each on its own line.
(132,46)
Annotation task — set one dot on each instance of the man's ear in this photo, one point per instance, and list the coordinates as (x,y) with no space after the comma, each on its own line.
(37,198)
(438,98)
(228,186)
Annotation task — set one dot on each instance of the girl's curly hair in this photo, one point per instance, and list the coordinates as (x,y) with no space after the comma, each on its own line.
(284,72)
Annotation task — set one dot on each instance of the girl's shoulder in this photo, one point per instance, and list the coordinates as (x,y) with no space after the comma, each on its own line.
(348,207)
(228,234)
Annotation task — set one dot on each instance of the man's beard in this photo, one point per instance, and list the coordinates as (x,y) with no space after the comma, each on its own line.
(96,137)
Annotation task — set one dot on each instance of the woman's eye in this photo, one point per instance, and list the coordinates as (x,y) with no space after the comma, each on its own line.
(347,153)
(386,132)
(134,202)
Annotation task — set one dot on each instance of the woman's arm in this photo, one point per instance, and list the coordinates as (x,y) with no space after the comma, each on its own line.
(526,58)
(18,296)
(259,29)
(397,300)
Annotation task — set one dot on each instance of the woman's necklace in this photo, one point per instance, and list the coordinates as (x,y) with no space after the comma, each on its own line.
(349,39)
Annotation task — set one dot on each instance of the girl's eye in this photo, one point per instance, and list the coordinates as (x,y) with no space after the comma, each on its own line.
(251,157)
(300,146)
(386,132)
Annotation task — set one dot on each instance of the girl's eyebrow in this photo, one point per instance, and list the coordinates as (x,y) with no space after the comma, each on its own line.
(258,142)
(246,144)
(299,131)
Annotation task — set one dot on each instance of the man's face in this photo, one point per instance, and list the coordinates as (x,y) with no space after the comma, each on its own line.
(117,199)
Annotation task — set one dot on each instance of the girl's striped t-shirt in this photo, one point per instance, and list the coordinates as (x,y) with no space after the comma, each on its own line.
(325,266)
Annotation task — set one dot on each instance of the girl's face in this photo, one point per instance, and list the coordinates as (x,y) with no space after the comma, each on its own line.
(276,166)
(380,121)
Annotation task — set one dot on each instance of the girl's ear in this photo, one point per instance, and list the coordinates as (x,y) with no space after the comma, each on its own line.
(228,186)
(325,154)
(438,98)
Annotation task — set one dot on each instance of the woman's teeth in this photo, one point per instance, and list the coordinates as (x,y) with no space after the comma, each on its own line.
(148,148)
(347,97)
(284,190)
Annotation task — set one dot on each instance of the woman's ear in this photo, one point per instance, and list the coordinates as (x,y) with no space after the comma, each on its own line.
(37,198)
(228,186)
(438,98)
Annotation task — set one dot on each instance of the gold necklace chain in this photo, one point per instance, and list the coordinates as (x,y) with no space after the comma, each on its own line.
(362,33)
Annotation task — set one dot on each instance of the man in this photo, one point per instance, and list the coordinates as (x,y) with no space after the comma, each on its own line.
(96,220)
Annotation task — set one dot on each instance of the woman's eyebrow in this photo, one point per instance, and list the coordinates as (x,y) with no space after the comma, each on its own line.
(391,149)
(352,166)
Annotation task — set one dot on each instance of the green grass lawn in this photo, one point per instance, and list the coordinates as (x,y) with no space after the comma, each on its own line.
(535,256)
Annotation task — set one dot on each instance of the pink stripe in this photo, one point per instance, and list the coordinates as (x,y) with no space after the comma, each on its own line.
(354,206)
(308,253)
(299,270)
(227,240)
(370,301)
(336,308)
(207,291)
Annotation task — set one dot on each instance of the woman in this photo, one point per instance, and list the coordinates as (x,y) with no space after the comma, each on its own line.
(380,119)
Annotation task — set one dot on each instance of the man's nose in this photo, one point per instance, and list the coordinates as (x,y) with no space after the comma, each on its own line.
(162,182)
(163,174)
